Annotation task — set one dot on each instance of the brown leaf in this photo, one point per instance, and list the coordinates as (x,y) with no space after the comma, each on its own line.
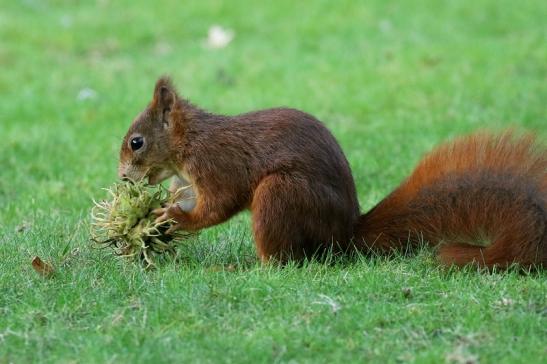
(42,268)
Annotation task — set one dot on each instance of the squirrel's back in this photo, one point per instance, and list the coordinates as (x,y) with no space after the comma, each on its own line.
(480,198)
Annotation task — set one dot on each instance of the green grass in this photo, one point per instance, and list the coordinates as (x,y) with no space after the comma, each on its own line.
(390,79)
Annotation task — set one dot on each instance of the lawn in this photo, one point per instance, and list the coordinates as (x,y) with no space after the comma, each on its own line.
(390,79)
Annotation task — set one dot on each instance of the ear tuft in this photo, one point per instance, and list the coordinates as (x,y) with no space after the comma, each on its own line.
(165,94)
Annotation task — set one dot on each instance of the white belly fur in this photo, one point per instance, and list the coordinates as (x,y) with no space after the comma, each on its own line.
(188,196)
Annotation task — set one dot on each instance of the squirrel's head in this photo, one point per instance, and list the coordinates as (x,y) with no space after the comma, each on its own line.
(146,151)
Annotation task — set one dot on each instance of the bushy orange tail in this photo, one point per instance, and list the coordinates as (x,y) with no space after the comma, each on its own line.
(481,198)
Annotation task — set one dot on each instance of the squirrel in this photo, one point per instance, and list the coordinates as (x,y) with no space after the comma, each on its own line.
(481,199)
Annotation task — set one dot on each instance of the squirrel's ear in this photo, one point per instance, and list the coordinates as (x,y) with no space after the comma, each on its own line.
(164,95)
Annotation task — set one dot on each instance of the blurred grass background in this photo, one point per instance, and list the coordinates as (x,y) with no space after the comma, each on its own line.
(390,79)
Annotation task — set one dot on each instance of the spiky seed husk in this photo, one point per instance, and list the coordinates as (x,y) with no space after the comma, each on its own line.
(125,222)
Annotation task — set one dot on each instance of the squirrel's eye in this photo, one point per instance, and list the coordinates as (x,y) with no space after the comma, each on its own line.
(137,143)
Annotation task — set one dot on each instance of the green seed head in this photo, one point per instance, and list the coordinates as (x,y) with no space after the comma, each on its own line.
(126,223)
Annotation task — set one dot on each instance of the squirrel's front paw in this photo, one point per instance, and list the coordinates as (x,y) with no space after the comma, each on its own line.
(170,212)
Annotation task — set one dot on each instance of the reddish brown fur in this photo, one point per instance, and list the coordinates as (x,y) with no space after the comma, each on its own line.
(283,164)
(482,189)
(289,170)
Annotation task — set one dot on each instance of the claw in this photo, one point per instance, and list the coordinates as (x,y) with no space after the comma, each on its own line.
(161,214)
(172,229)
(162,218)
(159,211)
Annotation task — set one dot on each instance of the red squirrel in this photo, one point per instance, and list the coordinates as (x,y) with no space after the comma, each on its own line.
(480,199)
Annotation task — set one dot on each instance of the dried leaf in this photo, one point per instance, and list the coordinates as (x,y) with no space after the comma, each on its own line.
(42,268)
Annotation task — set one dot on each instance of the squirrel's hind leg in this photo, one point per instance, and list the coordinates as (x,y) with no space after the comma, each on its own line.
(276,220)
(294,218)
